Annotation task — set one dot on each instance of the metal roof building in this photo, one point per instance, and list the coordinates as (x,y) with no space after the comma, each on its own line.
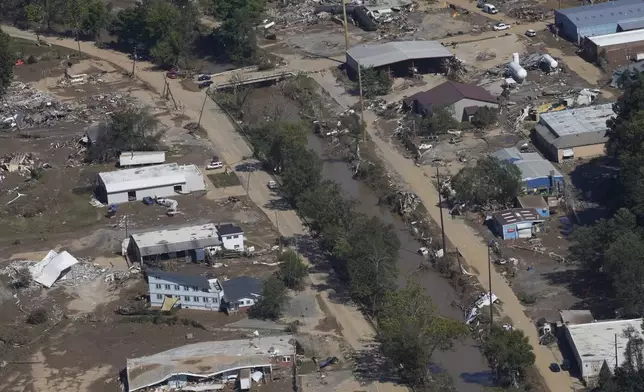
(616,49)
(138,158)
(207,360)
(537,174)
(594,343)
(599,19)
(395,53)
(161,242)
(580,132)
(120,186)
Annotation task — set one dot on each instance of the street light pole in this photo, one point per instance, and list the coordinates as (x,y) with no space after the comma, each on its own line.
(203,105)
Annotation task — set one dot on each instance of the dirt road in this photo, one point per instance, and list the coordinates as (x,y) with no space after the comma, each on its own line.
(234,150)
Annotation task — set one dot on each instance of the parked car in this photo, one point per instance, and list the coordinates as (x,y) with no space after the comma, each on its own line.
(554,367)
(531,33)
(501,26)
(215,164)
(490,9)
(272,185)
(203,77)
(565,365)
(205,84)
(172,75)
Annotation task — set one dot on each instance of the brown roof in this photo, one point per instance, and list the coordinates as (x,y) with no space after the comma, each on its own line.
(449,93)
(517,215)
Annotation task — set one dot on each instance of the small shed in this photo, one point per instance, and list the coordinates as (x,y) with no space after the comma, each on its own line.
(517,223)
(534,201)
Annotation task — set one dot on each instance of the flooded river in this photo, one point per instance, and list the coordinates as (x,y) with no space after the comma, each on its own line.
(465,364)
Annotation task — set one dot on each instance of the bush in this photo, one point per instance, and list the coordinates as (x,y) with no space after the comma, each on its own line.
(22,278)
(484,117)
(37,316)
(31,60)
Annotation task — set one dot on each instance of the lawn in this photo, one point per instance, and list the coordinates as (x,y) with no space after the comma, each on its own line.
(223,180)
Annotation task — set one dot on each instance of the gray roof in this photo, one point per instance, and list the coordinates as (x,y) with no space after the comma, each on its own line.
(532,201)
(394,52)
(576,127)
(229,228)
(531,164)
(517,215)
(632,25)
(176,240)
(206,359)
(180,279)
(604,13)
(241,287)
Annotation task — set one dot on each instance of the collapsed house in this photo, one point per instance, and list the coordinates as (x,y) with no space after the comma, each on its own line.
(209,365)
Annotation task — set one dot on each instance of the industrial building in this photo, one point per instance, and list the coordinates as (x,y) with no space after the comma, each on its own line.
(593,343)
(577,23)
(463,100)
(517,223)
(140,158)
(125,185)
(537,174)
(207,366)
(191,242)
(400,57)
(573,133)
(616,49)
(534,201)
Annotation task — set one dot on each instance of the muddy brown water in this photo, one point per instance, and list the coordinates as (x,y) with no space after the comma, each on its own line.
(465,364)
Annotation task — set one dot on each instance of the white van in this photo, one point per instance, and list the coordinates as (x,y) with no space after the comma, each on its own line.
(490,9)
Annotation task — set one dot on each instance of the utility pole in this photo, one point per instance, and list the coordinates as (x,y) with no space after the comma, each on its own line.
(346,25)
(616,363)
(203,105)
(133,61)
(364,123)
(248,187)
(277,224)
(458,260)
(489,278)
(440,208)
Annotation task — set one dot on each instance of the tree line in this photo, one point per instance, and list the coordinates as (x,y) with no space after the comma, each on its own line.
(363,251)
(168,32)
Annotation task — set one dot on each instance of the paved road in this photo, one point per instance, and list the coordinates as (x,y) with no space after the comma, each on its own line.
(233,149)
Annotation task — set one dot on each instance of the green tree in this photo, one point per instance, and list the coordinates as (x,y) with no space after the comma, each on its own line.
(36,15)
(236,40)
(227,9)
(625,268)
(374,82)
(484,117)
(133,129)
(440,121)
(371,262)
(302,171)
(509,353)
(293,270)
(75,15)
(491,180)
(96,19)
(272,301)
(324,208)
(410,330)
(7,60)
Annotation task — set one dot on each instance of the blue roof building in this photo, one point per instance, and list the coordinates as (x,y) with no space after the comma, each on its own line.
(538,175)
(599,19)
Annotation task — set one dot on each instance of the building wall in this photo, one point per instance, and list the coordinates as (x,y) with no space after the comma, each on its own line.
(194,182)
(164,191)
(622,54)
(588,368)
(459,106)
(569,30)
(233,242)
(592,150)
(158,288)
(536,185)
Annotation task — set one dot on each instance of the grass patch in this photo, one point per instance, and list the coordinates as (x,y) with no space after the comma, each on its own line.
(158,319)
(223,180)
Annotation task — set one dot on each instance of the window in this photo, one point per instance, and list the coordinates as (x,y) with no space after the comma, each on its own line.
(185,288)
(158,286)
(194,288)
(176,287)
(159,296)
(167,287)
(187,298)
(178,188)
(196,299)
(236,246)
(206,299)
(235,236)
(204,290)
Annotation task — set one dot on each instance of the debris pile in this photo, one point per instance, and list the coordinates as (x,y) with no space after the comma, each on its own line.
(81,272)
(529,13)
(408,202)
(26,106)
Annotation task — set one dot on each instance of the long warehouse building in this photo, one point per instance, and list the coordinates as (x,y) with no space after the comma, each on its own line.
(616,49)
(577,23)
(400,56)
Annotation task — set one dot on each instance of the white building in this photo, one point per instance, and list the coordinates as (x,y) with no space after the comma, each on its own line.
(594,343)
(140,158)
(232,237)
(192,291)
(190,242)
(120,186)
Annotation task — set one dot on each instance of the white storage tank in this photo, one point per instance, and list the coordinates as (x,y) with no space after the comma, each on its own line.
(518,72)
(551,62)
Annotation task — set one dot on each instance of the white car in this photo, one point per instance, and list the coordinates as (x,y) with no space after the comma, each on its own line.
(531,33)
(272,185)
(501,26)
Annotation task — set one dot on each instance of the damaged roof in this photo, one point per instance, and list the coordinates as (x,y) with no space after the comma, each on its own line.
(176,240)
(576,127)
(206,359)
(394,52)
(241,287)
(449,93)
